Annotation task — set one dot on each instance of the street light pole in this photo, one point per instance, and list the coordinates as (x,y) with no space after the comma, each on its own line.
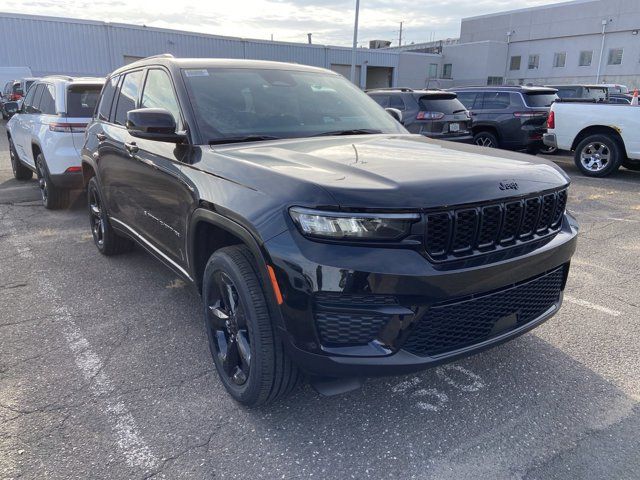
(604,33)
(355,44)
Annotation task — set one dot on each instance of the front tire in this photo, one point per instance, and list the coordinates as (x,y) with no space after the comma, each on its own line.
(106,240)
(247,352)
(20,172)
(486,139)
(53,198)
(598,155)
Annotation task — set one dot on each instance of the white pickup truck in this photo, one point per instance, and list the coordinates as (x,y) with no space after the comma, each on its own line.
(603,136)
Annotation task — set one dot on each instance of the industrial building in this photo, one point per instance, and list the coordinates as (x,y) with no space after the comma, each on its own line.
(582,41)
(52,45)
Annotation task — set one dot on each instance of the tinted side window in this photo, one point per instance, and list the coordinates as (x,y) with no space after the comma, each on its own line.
(467,99)
(128,97)
(107,98)
(496,100)
(47,101)
(158,93)
(382,100)
(34,106)
(395,101)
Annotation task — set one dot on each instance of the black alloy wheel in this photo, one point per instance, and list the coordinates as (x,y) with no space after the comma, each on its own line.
(246,348)
(228,329)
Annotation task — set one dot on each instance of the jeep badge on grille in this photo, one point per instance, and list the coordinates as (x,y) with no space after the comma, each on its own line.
(508,185)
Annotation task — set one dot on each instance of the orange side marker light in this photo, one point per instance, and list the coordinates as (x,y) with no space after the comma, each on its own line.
(274,284)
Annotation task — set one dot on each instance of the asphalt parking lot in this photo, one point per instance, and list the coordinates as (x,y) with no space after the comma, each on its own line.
(105,372)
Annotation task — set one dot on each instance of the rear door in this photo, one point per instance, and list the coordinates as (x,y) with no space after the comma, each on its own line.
(114,159)
(442,114)
(81,102)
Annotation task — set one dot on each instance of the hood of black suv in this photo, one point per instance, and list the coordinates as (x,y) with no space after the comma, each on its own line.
(394,171)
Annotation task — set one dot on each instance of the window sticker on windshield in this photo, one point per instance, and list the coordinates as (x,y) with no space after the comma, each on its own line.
(196,72)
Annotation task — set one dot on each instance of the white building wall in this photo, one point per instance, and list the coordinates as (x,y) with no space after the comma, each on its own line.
(569,27)
(473,63)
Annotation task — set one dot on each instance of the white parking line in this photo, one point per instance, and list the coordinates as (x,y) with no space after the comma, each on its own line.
(135,450)
(592,306)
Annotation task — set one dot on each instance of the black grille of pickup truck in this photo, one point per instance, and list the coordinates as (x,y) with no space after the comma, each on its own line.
(459,324)
(474,230)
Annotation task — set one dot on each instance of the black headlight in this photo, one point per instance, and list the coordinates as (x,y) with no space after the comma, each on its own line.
(353,226)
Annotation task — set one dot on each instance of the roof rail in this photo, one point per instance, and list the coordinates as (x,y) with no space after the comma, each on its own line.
(162,55)
(401,89)
(63,77)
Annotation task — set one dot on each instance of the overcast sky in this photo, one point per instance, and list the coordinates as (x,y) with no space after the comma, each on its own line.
(330,21)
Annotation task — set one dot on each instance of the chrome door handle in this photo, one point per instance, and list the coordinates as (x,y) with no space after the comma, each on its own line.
(131,147)
(101,137)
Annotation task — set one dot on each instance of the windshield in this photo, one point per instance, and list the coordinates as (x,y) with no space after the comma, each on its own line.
(239,102)
(82,99)
(540,99)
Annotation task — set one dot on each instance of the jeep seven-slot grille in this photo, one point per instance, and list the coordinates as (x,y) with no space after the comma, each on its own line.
(465,232)
(455,325)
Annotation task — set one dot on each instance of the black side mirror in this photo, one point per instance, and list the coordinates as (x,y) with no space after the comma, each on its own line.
(153,124)
(11,108)
(395,113)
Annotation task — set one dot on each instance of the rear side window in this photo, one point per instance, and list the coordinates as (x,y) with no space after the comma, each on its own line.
(82,99)
(128,96)
(47,101)
(567,93)
(540,99)
(447,104)
(34,104)
(467,99)
(496,100)
(158,93)
(395,101)
(382,100)
(107,98)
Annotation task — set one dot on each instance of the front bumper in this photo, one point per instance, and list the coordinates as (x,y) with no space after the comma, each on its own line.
(310,272)
(550,140)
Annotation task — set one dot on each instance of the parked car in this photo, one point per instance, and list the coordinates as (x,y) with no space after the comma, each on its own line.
(432,113)
(613,88)
(6,97)
(603,136)
(599,93)
(509,117)
(323,237)
(47,133)
(622,98)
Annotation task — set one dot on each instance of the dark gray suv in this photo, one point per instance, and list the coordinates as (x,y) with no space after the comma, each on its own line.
(509,117)
(432,113)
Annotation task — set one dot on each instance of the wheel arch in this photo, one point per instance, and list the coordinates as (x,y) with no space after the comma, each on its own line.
(599,130)
(208,232)
(475,129)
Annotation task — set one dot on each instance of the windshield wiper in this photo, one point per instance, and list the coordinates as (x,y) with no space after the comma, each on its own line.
(246,138)
(356,131)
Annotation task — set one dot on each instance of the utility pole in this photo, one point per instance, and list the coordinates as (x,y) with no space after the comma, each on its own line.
(309,37)
(355,44)
(604,33)
(400,36)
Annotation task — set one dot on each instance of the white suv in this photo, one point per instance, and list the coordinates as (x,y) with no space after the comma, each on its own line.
(47,133)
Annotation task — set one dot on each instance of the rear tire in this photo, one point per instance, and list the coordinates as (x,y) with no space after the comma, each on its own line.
(53,198)
(598,155)
(247,351)
(486,139)
(20,172)
(106,240)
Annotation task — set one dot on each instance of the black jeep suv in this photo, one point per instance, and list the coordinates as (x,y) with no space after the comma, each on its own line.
(513,118)
(323,237)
